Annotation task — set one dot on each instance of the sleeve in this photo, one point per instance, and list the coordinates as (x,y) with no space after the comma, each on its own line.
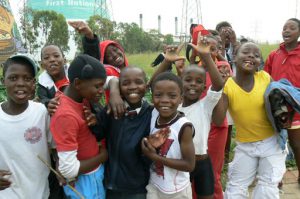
(108,78)
(269,63)
(68,164)
(102,126)
(42,93)
(64,131)
(91,47)
(50,140)
(211,99)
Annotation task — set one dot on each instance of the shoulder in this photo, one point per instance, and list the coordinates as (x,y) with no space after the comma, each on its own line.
(37,106)
(263,75)
(228,84)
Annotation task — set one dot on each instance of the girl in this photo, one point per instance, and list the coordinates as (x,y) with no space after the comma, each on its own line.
(80,159)
(169,175)
(284,63)
(257,154)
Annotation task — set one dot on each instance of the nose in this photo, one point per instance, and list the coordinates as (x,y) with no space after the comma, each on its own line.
(20,82)
(100,90)
(132,86)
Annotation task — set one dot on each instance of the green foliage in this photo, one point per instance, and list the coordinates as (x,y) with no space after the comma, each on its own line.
(44,27)
(168,39)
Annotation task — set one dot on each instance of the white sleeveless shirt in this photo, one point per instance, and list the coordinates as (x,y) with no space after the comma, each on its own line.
(166,179)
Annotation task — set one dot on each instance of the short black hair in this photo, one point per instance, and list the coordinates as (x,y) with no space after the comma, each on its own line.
(295,20)
(86,67)
(222,24)
(214,32)
(133,67)
(167,76)
(17,60)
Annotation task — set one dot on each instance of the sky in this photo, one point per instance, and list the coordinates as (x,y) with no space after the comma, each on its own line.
(261,20)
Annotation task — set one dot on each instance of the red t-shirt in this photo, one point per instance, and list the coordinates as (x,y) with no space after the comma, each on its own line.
(70,131)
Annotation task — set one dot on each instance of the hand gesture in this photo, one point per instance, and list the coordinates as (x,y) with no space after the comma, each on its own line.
(180,64)
(232,36)
(159,137)
(116,105)
(4,182)
(172,53)
(147,149)
(203,46)
(52,105)
(90,117)
(82,28)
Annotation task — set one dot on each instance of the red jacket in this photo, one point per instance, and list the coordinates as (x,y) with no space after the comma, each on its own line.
(103,45)
(285,64)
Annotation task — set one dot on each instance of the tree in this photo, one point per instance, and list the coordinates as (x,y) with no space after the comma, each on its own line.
(43,27)
(102,27)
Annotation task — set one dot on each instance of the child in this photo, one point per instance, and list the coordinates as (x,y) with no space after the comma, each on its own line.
(54,77)
(80,159)
(284,63)
(257,154)
(169,175)
(199,112)
(127,172)
(24,134)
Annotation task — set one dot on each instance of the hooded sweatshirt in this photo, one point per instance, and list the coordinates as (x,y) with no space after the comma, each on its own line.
(285,64)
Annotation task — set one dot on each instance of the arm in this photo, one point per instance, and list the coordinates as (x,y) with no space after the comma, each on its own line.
(172,55)
(116,104)
(203,49)
(90,41)
(44,95)
(219,112)
(187,163)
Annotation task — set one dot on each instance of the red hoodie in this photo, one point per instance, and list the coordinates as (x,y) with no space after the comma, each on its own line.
(285,64)
(110,70)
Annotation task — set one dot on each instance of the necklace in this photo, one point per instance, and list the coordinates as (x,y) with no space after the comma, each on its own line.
(157,121)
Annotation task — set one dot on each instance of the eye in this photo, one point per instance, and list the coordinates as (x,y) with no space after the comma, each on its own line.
(12,78)
(28,79)
(45,58)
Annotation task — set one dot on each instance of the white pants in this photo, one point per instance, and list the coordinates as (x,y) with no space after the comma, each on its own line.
(154,193)
(264,160)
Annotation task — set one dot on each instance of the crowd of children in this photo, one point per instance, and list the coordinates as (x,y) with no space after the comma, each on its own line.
(132,149)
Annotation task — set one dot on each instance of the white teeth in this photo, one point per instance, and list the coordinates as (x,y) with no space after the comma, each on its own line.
(20,92)
(192,91)
(165,108)
(133,95)
(118,59)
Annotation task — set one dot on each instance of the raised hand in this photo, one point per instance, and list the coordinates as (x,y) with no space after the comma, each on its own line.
(4,182)
(203,46)
(90,117)
(172,53)
(82,28)
(159,137)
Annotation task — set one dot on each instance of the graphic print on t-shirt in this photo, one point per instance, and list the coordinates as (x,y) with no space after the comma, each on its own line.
(33,135)
(163,151)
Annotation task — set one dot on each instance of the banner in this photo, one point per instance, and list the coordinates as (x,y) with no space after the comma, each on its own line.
(7,26)
(71,9)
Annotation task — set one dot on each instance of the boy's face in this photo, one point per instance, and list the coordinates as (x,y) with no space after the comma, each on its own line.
(91,89)
(133,86)
(19,83)
(166,97)
(290,32)
(193,84)
(114,56)
(52,60)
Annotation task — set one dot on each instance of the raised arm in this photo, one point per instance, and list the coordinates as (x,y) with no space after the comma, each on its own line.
(90,41)
(203,49)
(172,55)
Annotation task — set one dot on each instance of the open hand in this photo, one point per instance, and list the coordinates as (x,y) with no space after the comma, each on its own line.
(203,46)
(82,28)
(90,117)
(116,105)
(4,182)
(159,137)
(172,53)
(147,149)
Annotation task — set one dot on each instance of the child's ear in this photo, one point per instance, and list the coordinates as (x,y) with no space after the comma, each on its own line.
(77,82)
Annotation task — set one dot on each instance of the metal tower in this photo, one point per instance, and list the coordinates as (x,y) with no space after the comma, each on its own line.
(191,13)
(104,9)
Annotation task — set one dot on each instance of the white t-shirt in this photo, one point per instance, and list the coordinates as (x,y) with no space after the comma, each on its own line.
(166,179)
(200,114)
(22,138)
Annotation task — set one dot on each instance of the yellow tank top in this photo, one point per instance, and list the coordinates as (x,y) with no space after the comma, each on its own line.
(248,109)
